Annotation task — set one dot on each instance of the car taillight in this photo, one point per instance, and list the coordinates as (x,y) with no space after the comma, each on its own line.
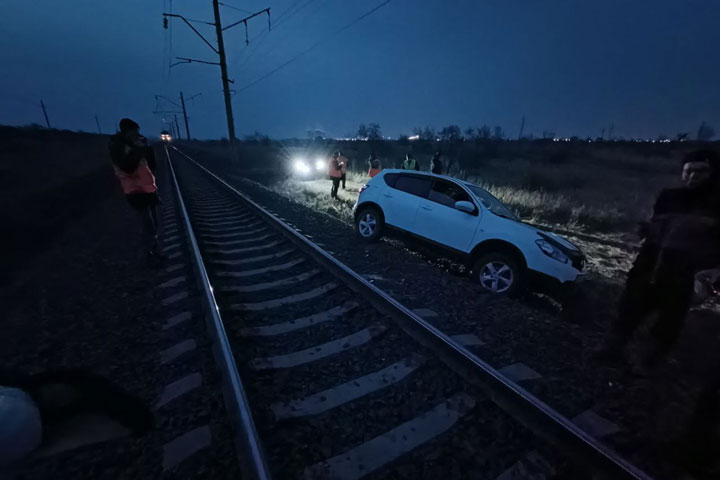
(363,188)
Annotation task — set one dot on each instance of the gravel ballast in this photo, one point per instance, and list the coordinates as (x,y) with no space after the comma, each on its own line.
(90,302)
(648,411)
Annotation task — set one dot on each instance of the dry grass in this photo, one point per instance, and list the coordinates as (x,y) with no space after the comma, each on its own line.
(594,193)
(594,188)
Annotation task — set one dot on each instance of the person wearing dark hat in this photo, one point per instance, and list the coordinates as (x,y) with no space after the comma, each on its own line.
(134,164)
(681,239)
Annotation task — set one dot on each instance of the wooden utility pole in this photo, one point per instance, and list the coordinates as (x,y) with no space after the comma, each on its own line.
(187,126)
(97,122)
(47,121)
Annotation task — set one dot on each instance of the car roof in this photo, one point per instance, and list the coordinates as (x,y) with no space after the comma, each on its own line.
(426,174)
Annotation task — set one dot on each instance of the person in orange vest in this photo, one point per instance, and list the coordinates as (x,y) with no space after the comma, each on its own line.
(374,165)
(335,172)
(134,164)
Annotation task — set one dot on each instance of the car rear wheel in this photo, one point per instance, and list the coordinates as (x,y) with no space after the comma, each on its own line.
(498,273)
(369,224)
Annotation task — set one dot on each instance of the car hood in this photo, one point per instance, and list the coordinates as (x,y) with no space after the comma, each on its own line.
(554,236)
(561,240)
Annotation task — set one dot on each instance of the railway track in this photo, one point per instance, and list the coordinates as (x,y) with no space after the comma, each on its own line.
(327,377)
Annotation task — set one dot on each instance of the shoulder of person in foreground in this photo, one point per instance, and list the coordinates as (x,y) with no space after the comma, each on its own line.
(120,156)
(669,200)
(92,408)
(150,158)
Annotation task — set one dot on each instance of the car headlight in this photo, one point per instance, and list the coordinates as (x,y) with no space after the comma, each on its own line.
(301,167)
(319,164)
(551,250)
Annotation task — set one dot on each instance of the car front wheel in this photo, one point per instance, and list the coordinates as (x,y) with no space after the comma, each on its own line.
(369,224)
(498,273)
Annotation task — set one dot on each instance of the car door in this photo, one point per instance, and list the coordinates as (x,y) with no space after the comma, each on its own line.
(400,201)
(438,220)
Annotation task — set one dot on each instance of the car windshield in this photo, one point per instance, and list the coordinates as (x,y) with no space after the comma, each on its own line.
(491,203)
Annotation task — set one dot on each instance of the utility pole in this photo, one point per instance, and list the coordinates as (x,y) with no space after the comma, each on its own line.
(177,126)
(97,122)
(183,111)
(187,127)
(220,51)
(42,104)
(225,80)
(522,128)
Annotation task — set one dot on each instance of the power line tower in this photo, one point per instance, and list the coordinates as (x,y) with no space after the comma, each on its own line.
(47,121)
(220,52)
(181,106)
(522,128)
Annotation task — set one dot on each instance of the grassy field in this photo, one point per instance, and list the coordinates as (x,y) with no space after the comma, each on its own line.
(595,193)
(586,187)
(48,179)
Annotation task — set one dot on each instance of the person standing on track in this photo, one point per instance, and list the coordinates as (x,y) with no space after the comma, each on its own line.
(335,173)
(681,239)
(134,164)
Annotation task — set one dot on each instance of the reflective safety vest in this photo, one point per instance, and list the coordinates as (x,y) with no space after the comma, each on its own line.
(374,171)
(334,169)
(409,164)
(141,180)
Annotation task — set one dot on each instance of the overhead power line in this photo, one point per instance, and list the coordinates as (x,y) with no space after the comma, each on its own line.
(220,51)
(234,8)
(257,39)
(313,46)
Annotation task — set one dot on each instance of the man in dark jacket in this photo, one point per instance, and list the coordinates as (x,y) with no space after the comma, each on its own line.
(682,238)
(134,164)
(436,164)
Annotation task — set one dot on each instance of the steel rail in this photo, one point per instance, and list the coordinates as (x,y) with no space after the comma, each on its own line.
(583,449)
(250,453)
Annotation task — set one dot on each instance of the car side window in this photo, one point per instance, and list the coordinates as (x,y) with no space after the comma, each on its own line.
(447,193)
(413,185)
(390,179)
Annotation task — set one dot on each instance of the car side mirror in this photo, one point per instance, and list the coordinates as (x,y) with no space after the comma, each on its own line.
(464,206)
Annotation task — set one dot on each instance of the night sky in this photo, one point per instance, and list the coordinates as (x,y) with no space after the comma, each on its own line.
(571,66)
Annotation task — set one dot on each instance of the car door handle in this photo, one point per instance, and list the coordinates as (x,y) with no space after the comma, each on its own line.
(425,207)
(387,195)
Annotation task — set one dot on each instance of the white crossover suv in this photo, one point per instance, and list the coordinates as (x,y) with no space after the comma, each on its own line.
(467,221)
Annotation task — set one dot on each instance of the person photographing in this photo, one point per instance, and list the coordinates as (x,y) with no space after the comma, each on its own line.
(134,164)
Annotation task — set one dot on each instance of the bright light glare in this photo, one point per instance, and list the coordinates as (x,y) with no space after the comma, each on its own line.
(319,164)
(301,167)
